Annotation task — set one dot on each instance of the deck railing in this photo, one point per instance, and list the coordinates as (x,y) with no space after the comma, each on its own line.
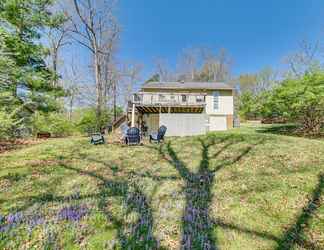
(169,99)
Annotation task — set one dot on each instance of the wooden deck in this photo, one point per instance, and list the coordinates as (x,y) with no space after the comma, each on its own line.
(170,109)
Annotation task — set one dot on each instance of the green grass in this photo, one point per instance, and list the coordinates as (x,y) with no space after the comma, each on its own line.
(240,189)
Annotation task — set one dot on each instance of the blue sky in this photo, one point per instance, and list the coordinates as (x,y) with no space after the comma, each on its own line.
(256,33)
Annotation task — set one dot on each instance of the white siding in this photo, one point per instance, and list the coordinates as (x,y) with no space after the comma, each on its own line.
(217,123)
(225,103)
(184,124)
(152,122)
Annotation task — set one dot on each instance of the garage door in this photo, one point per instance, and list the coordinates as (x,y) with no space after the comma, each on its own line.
(217,123)
(184,124)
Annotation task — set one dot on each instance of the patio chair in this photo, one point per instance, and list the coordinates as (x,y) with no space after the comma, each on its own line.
(123,129)
(97,138)
(159,136)
(133,136)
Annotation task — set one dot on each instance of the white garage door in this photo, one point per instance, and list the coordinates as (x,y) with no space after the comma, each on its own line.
(217,123)
(184,124)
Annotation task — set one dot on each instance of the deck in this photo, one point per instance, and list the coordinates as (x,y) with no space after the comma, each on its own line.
(146,102)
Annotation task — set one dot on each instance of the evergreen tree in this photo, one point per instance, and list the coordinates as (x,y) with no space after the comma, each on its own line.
(25,79)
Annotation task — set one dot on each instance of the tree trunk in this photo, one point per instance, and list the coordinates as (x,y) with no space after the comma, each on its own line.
(98,89)
(114,100)
(71,108)
(55,68)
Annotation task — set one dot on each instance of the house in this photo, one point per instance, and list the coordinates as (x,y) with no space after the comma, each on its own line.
(186,108)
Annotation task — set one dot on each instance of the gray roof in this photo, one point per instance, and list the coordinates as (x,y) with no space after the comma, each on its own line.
(186,85)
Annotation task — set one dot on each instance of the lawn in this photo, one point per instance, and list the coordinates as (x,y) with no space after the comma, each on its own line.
(241,189)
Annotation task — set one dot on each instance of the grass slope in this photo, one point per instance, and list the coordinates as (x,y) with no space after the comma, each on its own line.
(239,189)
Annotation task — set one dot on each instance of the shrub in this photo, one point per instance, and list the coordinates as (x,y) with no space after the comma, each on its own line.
(299,100)
(55,123)
(87,122)
(6,124)
(250,105)
(9,125)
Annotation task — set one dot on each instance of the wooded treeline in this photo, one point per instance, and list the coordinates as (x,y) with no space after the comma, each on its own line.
(45,87)
(294,95)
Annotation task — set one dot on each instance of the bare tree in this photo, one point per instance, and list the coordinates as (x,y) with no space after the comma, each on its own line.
(265,80)
(163,70)
(72,86)
(305,59)
(188,63)
(130,74)
(224,65)
(95,28)
(247,82)
(113,82)
(216,67)
(57,38)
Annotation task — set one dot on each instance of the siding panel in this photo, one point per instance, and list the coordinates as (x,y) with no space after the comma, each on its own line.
(184,124)
(217,123)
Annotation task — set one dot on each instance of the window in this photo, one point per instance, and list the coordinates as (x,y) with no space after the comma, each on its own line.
(200,98)
(216,100)
(183,98)
(162,97)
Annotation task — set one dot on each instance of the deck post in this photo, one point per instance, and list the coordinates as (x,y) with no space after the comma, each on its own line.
(133,115)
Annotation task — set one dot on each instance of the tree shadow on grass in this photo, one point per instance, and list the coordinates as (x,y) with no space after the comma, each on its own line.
(198,227)
(286,129)
(279,129)
(139,235)
(295,234)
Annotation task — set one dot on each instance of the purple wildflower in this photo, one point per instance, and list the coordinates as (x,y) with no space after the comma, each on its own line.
(14,218)
(72,213)
(10,221)
(5,228)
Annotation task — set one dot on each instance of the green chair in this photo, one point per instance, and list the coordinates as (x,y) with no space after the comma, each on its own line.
(97,138)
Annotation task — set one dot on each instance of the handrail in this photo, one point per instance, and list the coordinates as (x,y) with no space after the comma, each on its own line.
(166,98)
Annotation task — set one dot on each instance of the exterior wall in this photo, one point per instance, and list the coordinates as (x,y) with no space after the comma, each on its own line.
(184,124)
(217,123)
(152,122)
(226,104)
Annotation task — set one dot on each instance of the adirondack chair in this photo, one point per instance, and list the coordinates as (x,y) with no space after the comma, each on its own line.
(133,136)
(97,138)
(159,136)
(123,129)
